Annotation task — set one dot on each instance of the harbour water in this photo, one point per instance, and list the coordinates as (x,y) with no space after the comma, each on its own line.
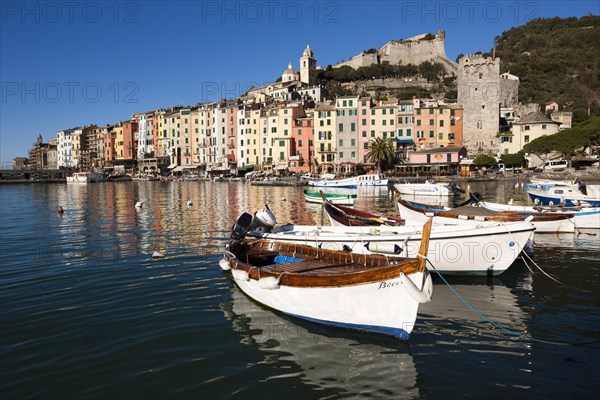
(87,313)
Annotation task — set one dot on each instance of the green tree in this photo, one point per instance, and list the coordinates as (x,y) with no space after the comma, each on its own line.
(380,152)
(483,160)
(513,160)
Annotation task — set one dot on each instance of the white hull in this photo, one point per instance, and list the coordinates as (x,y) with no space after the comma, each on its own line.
(383,307)
(586,218)
(415,217)
(486,249)
(344,201)
(82,177)
(423,189)
(356,181)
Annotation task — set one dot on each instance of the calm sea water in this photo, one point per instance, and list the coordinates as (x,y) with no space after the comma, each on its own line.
(87,313)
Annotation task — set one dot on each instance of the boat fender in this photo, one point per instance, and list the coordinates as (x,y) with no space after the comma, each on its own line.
(224,264)
(388,248)
(422,296)
(268,283)
(347,248)
(240,275)
(528,219)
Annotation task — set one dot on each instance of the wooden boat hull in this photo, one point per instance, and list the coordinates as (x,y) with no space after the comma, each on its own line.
(370,293)
(383,306)
(345,216)
(416,213)
(476,249)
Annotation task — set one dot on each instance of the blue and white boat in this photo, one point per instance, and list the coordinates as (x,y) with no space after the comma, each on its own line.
(567,195)
(353,182)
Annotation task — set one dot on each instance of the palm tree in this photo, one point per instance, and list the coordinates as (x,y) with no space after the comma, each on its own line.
(380,151)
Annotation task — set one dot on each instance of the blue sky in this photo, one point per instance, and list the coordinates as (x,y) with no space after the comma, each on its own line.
(66,64)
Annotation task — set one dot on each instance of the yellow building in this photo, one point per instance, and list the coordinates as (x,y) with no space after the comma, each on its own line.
(383,120)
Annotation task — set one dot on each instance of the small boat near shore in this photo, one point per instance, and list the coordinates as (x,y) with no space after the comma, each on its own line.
(352,182)
(83,177)
(313,196)
(372,293)
(428,188)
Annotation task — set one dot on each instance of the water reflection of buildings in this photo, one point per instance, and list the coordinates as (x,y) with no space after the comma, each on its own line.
(344,365)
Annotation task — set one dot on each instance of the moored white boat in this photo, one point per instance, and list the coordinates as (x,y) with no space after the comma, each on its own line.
(353,182)
(479,249)
(83,177)
(372,293)
(467,215)
(426,189)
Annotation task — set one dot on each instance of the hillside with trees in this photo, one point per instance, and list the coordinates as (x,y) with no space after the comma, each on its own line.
(556,59)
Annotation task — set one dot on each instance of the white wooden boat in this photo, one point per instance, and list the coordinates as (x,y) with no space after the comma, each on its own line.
(479,249)
(373,293)
(427,189)
(314,196)
(468,215)
(83,177)
(584,217)
(353,182)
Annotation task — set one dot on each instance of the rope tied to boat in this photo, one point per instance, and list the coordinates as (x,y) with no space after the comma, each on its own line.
(537,266)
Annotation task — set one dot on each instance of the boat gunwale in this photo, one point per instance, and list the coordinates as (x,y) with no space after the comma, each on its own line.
(359,268)
(501,217)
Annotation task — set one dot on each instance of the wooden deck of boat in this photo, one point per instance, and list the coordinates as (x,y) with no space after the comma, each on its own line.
(314,267)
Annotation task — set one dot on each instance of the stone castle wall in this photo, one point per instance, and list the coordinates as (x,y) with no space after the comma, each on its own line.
(415,50)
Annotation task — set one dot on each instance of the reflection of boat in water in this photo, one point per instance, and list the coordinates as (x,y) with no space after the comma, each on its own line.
(490,297)
(346,365)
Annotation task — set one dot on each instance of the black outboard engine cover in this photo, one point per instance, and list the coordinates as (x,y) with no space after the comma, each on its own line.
(264,220)
(241,226)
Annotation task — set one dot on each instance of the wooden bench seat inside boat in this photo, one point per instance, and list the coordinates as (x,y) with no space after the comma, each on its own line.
(312,266)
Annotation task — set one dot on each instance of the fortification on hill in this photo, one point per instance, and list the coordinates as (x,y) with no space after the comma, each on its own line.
(414,50)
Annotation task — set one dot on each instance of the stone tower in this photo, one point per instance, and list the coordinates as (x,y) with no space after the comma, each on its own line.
(479,96)
(308,67)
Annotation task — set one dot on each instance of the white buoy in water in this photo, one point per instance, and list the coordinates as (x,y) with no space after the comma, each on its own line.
(157,254)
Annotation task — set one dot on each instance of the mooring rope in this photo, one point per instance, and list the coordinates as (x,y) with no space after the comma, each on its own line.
(534,263)
(521,335)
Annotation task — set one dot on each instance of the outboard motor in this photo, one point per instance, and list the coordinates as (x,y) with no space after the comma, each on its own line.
(264,220)
(241,226)
(581,186)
